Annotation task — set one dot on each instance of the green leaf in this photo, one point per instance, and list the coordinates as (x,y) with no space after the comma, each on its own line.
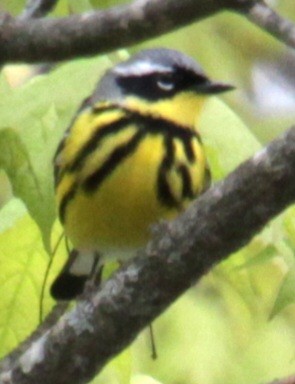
(5,189)
(227,140)
(11,213)
(28,138)
(13,6)
(267,254)
(118,371)
(289,223)
(106,3)
(5,89)
(122,366)
(29,179)
(80,6)
(22,261)
(143,379)
(286,294)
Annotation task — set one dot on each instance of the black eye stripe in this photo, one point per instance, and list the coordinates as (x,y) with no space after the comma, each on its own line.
(155,86)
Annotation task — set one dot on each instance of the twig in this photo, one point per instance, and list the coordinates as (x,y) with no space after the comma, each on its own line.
(98,32)
(221,221)
(267,19)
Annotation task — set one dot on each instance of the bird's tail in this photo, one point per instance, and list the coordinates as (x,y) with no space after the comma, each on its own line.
(78,269)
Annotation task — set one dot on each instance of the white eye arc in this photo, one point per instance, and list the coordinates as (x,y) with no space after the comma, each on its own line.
(165,84)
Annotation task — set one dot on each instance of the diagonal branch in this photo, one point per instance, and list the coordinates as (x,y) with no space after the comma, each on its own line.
(221,221)
(45,40)
(267,19)
(96,32)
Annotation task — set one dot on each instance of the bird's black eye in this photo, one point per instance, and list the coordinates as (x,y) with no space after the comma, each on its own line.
(165,82)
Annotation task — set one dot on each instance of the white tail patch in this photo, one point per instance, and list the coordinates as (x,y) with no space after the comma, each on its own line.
(83,264)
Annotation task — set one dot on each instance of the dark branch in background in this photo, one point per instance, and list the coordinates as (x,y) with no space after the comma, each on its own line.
(103,31)
(96,32)
(288,380)
(37,8)
(221,221)
(267,19)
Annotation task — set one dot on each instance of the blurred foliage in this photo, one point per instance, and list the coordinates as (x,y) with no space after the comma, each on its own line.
(237,324)
(38,124)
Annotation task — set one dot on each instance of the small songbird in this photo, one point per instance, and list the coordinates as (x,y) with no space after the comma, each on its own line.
(131,156)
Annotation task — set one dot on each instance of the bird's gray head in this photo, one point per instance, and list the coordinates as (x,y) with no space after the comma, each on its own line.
(158,61)
(155,74)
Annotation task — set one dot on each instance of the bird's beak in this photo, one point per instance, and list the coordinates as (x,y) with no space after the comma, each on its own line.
(213,88)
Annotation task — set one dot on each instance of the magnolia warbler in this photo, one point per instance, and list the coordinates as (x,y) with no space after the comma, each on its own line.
(131,156)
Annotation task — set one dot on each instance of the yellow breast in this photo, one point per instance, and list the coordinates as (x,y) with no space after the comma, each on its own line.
(135,176)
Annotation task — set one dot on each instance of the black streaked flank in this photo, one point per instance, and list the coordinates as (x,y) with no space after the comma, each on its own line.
(155,125)
(65,201)
(165,127)
(165,194)
(99,108)
(92,144)
(57,174)
(188,149)
(146,124)
(187,187)
(119,154)
(207,179)
(149,124)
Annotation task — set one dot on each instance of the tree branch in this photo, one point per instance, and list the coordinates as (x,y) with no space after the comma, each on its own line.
(102,31)
(267,19)
(96,32)
(50,320)
(221,221)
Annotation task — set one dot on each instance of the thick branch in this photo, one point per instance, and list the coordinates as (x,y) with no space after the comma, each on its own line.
(221,221)
(97,32)
(45,40)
